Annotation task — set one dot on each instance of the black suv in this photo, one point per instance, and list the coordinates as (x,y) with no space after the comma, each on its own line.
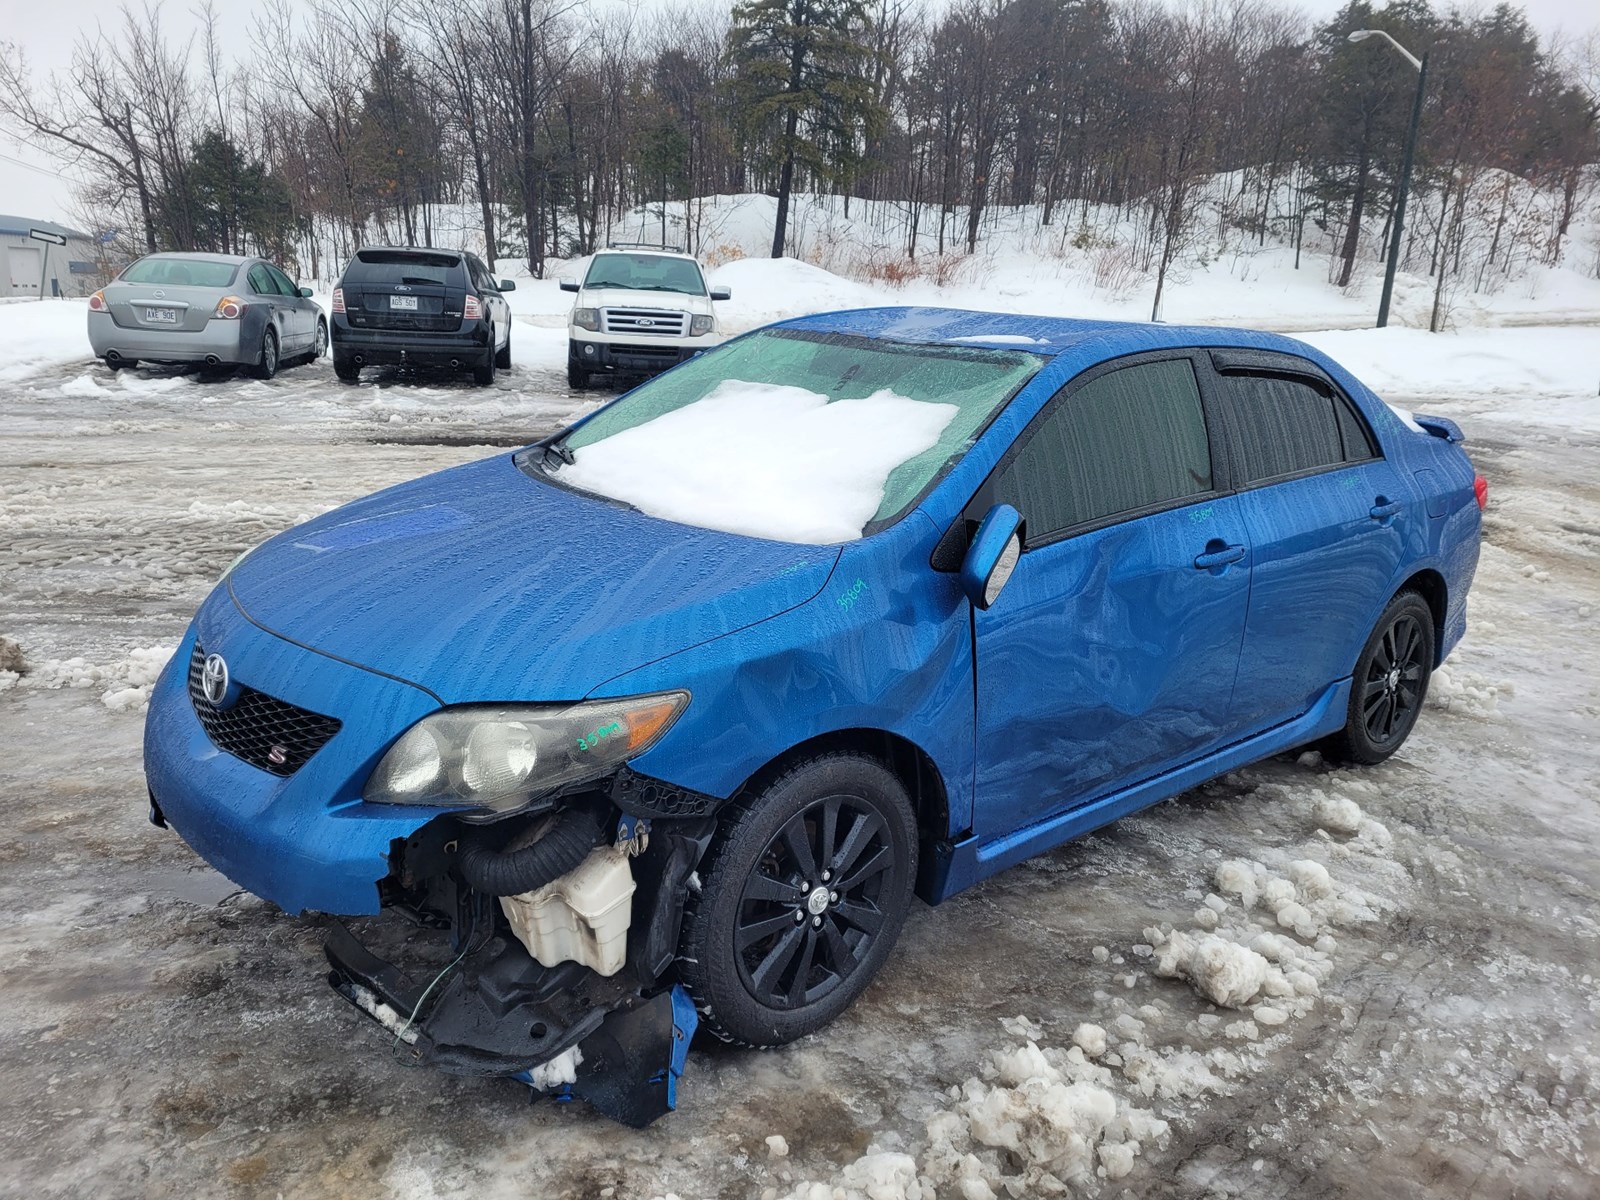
(420,307)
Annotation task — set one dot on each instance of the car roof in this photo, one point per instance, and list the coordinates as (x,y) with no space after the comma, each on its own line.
(1050,336)
(412,250)
(205,256)
(653,251)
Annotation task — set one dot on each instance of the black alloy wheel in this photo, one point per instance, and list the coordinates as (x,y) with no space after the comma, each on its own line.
(804,892)
(1389,683)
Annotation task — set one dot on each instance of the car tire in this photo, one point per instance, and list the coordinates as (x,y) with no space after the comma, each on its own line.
(502,358)
(770,955)
(268,366)
(483,372)
(319,344)
(577,377)
(345,367)
(1389,684)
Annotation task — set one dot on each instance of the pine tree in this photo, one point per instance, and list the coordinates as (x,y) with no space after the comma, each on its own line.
(803,78)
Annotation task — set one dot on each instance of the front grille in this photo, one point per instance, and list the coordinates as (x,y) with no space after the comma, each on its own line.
(262,730)
(664,353)
(656,322)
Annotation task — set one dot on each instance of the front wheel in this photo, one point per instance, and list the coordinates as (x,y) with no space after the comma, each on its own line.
(1389,683)
(803,894)
(268,366)
(577,377)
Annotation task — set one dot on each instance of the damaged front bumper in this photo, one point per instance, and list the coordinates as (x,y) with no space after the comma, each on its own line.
(499,1013)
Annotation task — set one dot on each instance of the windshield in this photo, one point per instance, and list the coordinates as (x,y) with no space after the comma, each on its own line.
(645,273)
(792,435)
(180,272)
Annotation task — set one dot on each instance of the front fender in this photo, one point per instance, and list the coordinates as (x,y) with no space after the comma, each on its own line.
(886,644)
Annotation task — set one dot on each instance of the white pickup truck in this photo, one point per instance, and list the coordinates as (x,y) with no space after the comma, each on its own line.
(640,310)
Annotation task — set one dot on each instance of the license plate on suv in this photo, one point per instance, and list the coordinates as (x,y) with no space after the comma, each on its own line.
(406,302)
(164,316)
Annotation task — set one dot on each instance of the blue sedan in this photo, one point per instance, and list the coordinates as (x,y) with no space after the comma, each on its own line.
(664,720)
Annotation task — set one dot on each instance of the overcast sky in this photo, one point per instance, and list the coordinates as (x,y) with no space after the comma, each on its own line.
(33,182)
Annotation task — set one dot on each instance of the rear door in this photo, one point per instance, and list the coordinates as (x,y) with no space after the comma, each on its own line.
(1325,514)
(1110,655)
(263,291)
(300,312)
(412,291)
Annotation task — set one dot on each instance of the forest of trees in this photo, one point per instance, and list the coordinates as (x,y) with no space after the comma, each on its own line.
(347,121)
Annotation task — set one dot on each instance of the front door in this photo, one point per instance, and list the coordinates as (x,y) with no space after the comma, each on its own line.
(1110,655)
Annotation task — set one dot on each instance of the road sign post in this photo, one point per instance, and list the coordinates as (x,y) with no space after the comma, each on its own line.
(49,239)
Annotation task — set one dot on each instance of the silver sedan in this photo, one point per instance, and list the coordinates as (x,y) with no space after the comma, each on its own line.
(215,310)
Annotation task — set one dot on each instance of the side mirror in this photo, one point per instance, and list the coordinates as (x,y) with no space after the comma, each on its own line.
(992,556)
(305,294)
(569,285)
(510,285)
(721,293)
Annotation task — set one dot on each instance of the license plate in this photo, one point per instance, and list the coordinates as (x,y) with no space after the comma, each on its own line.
(165,316)
(407,302)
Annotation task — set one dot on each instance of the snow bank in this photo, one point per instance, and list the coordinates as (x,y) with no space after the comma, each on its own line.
(41,334)
(126,682)
(765,460)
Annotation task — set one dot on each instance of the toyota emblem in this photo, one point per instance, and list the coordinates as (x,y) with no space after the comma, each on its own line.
(214,678)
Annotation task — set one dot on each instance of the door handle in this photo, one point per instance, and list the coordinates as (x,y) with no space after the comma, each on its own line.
(1383,509)
(1221,557)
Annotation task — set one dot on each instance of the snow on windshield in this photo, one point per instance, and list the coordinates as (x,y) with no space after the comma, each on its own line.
(767,460)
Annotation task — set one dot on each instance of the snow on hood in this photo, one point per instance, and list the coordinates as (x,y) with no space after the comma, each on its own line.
(632,298)
(767,460)
(481,583)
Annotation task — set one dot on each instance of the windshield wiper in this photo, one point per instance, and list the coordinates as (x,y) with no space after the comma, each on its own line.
(560,452)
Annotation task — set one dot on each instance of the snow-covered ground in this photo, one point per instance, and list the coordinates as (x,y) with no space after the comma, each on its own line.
(1292,981)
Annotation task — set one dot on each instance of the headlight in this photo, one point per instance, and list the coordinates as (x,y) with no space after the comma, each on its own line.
(499,757)
(586,318)
(700,326)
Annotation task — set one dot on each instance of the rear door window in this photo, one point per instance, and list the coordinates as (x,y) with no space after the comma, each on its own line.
(1284,425)
(1129,441)
(261,282)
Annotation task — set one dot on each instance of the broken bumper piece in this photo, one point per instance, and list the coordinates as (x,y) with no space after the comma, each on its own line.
(496,1012)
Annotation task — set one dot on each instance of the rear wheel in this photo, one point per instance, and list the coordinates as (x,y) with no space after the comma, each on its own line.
(502,357)
(483,371)
(345,367)
(1389,683)
(268,366)
(803,894)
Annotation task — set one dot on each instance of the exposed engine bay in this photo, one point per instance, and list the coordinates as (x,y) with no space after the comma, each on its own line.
(557,929)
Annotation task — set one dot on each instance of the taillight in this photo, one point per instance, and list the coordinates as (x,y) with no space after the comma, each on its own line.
(97,302)
(338,300)
(472,310)
(1480,489)
(228,309)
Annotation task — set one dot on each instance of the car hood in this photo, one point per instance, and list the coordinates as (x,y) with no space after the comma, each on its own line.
(628,298)
(485,583)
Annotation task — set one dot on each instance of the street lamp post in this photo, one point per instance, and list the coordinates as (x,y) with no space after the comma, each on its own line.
(1421,64)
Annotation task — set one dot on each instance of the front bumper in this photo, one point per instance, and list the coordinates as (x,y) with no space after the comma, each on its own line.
(307,841)
(637,357)
(222,340)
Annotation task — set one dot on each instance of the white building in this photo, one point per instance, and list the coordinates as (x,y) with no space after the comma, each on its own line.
(26,263)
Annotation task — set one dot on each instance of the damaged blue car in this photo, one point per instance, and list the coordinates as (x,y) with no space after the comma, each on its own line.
(662,722)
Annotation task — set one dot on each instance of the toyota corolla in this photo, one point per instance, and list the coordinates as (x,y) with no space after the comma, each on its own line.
(665,720)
